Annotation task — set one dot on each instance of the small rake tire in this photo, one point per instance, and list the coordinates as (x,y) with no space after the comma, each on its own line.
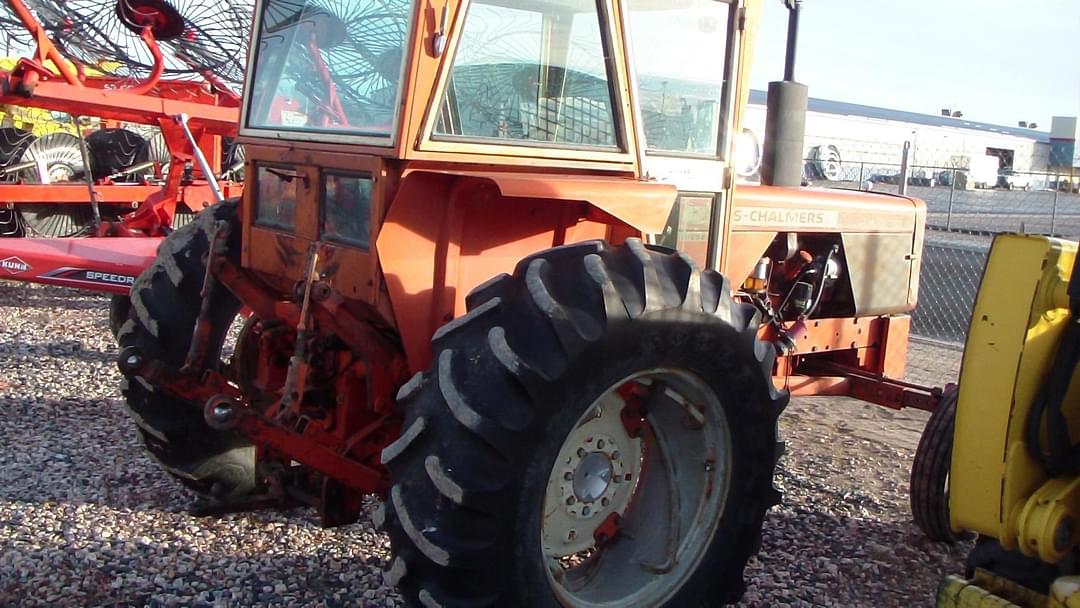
(164,306)
(929,485)
(508,382)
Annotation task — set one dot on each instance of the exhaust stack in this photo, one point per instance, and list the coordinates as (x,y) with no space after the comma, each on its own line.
(785,118)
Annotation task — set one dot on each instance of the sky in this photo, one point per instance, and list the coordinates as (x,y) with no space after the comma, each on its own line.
(997,61)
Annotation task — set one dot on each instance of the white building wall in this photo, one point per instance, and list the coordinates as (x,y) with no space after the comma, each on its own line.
(880,142)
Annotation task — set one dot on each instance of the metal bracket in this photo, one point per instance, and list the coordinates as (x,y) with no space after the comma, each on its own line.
(296,378)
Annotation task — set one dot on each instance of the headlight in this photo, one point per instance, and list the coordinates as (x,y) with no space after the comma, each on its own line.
(747,154)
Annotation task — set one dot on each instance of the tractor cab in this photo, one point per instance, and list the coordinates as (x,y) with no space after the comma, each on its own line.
(614,98)
(548,80)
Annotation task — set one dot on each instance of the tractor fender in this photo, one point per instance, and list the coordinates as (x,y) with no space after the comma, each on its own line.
(645,205)
(433,254)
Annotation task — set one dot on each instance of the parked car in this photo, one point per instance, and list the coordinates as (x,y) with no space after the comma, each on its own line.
(945,178)
(1011,180)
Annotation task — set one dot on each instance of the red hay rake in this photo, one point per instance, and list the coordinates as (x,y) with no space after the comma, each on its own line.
(147,96)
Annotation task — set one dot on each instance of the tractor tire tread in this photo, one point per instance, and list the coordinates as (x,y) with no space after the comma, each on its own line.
(474,411)
(930,472)
(164,304)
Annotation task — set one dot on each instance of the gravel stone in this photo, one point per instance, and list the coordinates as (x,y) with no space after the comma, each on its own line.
(87,519)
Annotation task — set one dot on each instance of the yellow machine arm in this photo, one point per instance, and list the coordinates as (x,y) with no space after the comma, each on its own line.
(1013,475)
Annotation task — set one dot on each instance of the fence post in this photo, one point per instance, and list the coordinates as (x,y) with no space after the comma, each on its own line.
(904,169)
(952,192)
(862,164)
(1053,210)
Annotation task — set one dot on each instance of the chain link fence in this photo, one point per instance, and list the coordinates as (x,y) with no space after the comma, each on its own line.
(967,205)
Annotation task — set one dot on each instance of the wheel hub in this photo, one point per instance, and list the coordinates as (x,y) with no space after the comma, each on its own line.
(592,477)
(595,476)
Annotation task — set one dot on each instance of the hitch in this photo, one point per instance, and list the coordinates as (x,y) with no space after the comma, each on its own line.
(224,409)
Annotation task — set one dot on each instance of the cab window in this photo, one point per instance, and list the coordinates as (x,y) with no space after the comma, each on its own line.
(535,73)
(329,67)
(679,50)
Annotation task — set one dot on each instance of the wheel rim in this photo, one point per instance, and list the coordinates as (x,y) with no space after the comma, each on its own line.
(57,156)
(832,165)
(158,152)
(626,519)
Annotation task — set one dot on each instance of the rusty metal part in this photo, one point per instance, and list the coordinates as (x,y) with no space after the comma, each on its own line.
(275,494)
(296,379)
(633,414)
(839,379)
(347,353)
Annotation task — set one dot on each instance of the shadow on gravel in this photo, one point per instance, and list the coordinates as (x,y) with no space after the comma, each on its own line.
(23,295)
(62,349)
(243,560)
(813,558)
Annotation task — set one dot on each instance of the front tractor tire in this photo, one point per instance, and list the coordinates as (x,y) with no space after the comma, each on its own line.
(599,429)
(929,485)
(164,307)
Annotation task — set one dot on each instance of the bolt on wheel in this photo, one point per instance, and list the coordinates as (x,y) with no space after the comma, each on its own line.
(636,492)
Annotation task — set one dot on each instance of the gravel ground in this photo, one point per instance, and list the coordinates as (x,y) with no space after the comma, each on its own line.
(87,519)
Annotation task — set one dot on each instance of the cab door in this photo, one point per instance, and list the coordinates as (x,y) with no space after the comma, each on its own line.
(684,57)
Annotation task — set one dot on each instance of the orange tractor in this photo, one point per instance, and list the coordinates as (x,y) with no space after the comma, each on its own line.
(489,266)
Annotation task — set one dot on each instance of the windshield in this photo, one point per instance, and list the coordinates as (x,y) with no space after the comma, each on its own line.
(679,53)
(329,66)
(532,73)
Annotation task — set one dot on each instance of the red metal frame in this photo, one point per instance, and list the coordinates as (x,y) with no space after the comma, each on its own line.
(100,264)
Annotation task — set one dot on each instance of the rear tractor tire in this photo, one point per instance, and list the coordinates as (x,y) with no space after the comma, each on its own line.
(599,429)
(164,306)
